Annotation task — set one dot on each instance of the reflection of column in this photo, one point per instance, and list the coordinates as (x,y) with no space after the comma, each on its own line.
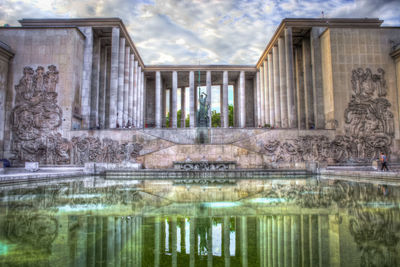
(225,105)
(269,240)
(227,231)
(192,241)
(286,241)
(110,241)
(265,240)
(123,241)
(305,235)
(274,241)
(117,239)
(173,243)
(323,240)
(99,240)
(173,116)
(209,245)
(114,77)
(191,99)
(91,244)
(121,66)
(277,95)
(314,253)
(129,241)
(243,232)
(295,240)
(334,243)
(282,82)
(157,240)
(82,242)
(271,90)
(208,83)
(158,100)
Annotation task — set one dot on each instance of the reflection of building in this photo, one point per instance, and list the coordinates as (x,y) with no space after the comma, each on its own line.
(333,78)
(262,223)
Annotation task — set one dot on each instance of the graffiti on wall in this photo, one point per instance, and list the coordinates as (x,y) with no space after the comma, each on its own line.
(36,120)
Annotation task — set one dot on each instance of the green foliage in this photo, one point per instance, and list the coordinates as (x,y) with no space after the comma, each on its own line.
(167,120)
(187,121)
(215,119)
(230,115)
(179,116)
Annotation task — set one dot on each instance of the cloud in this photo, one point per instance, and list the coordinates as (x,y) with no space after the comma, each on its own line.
(209,31)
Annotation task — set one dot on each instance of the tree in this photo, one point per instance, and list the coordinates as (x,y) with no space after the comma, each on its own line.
(215,119)
(179,116)
(230,115)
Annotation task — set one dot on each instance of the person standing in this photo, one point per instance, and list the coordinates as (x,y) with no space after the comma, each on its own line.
(383,159)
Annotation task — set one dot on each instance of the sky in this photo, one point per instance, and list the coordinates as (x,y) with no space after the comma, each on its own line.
(205,31)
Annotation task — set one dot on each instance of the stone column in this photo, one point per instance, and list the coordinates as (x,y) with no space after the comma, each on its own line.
(135,94)
(242,100)
(95,84)
(277,93)
(258,99)
(144,105)
(301,108)
(107,86)
(139,96)
(271,90)
(174,115)
(121,72)
(262,97)
(191,99)
(317,77)
(102,87)
(114,77)
(208,84)
(87,76)
(131,87)
(126,86)
(282,81)
(158,100)
(255,102)
(291,93)
(308,87)
(225,105)
(266,95)
(183,106)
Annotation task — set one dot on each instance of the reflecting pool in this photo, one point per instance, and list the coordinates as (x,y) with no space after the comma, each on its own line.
(282,222)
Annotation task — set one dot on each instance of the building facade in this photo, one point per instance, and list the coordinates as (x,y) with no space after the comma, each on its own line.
(76,90)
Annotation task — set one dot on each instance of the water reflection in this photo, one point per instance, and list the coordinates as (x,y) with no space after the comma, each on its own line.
(97,222)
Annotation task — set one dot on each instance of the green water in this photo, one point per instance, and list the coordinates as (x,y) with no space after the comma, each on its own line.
(285,222)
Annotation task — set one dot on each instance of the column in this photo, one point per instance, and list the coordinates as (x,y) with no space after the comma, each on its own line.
(291,93)
(107,86)
(174,115)
(282,82)
(308,87)
(191,99)
(271,90)
(277,95)
(87,76)
(121,72)
(317,77)
(95,86)
(131,88)
(139,96)
(244,247)
(144,84)
(255,102)
(258,100)
(183,106)
(126,86)
(262,97)
(208,84)
(135,94)
(225,105)
(242,100)
(114,77)
(102,87)
(301,108)
(158,100)
(266,95)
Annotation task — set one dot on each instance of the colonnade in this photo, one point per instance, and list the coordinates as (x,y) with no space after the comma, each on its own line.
(289,85)
(112,93)
(193,98)
(110,241)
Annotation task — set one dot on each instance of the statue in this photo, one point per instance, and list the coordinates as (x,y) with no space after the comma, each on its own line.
(202,114)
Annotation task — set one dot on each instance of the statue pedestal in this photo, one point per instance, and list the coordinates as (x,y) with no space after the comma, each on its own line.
(101,167)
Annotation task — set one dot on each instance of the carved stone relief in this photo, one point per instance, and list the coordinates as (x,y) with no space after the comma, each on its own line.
(36,119)
(369,128)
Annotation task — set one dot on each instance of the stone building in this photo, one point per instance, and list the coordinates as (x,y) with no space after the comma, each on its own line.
(76,90)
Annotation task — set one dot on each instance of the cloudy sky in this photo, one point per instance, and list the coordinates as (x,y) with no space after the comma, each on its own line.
(209,32)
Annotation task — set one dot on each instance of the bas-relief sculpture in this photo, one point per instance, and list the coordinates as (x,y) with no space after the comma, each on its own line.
(36,119)
(369,128)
